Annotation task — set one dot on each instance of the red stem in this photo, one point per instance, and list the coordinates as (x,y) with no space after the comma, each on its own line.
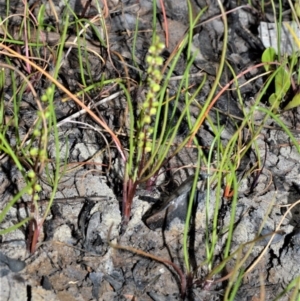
(36,233)
(128,195)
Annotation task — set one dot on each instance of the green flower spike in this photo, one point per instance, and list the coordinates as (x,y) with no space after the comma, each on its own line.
(149,107)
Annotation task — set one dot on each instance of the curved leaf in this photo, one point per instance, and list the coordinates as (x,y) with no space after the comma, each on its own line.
(295,102)
(282,82)
(268,56)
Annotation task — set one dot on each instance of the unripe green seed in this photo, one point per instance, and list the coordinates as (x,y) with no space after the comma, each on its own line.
(152,49)
(37,187)
(150,70)
(150,130)
(155,87)
(141,135)
(148,147)
(47,114)
(159,61)
(44,97)
(157,74)
(31,174)
(160,46)
(42,154)
(36,133)
(49,92)
(146,104)
(34,152)
(150,95)
(147,119)
(153,111)
(150,60)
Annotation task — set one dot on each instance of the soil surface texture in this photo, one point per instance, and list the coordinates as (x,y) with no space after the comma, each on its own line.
(75,258)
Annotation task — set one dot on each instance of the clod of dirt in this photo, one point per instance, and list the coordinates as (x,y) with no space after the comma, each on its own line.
(14,265)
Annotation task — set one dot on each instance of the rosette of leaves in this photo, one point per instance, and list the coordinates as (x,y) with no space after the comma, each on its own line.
(282,79)
(284,73)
